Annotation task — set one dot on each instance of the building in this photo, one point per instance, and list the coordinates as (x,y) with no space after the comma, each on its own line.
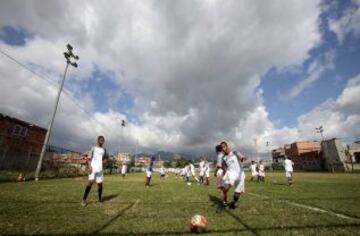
(334,154)
(20,144)
(278,156)
(142,162)
(354,151)
(305,155)
(122,158)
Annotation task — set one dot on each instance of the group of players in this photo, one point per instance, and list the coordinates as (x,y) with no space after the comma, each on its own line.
(229,172)
(188,172)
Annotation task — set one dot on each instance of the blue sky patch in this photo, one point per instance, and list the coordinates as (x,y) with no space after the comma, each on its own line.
(14,36)
(276,85)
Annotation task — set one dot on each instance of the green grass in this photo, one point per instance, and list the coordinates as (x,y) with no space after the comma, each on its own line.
(52,207)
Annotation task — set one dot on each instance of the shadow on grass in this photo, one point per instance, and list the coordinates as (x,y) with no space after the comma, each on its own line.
(217,232)
(109,197)
(215,200)
(281,184)
(114,218)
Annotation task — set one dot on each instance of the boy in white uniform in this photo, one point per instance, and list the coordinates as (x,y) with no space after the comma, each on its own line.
(202,171)
(232,177)
(149,170)
(95,163)
(219,171)
(162,172)
(261,176)
(123,170)
(190,172)
(254,173)
(207,172)
(288,164)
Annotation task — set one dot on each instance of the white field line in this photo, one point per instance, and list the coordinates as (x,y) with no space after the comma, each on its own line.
(309,207)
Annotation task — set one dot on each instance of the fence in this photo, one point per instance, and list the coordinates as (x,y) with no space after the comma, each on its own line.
(18,154)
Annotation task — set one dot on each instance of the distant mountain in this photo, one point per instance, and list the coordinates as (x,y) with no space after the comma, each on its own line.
(166,155)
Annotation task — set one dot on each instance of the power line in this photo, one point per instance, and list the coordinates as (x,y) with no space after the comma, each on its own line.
(55,85)
(27,68)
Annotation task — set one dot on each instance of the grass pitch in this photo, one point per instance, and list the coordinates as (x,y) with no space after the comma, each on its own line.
(317,204)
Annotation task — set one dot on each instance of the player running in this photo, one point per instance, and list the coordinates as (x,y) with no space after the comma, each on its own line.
(207,172)
(202,170)
(254,173)
(95,163)
(220,167)
(123,170)
(232,177)
(261,176)
(149,170)
(162,172)
(288,164)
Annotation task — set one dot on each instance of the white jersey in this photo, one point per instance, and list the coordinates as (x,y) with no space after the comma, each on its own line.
(192,169)
(98,153)
(202,168)
(123,169)
(261,167)
(232,164)
(288,164)
(253,168)
(162,171)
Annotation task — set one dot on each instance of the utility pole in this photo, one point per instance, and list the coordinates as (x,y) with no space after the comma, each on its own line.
(136,147)
(123,124)
(69,54)
(320,130)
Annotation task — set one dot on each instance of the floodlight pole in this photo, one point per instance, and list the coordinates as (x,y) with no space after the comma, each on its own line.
(48,132)
(320,130)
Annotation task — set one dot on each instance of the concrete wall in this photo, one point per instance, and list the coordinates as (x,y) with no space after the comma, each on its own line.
(334,155)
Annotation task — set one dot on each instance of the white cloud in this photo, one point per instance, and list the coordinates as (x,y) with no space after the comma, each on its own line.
(193,69)
(314,73)
(348,23)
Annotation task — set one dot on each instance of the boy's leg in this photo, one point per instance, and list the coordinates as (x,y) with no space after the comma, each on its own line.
(86,193)
(100,188)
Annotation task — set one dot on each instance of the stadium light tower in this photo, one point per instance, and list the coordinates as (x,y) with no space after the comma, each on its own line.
(320,130)
(68,55)
(123,124)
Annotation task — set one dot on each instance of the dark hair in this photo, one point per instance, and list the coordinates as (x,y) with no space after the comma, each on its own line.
(99,137)
(224,143)
(218,148)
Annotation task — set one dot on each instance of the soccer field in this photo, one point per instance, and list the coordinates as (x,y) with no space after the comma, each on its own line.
(317,204)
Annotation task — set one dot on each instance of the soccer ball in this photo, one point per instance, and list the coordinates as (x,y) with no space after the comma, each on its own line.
(188,183)
(198,224)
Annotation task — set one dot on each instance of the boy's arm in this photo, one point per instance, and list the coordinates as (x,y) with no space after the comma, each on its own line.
(89,159)
(106,156)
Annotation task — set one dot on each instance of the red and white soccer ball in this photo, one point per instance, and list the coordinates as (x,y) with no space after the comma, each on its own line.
(198,224)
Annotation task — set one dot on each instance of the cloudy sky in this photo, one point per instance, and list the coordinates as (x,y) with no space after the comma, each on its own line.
(184,74)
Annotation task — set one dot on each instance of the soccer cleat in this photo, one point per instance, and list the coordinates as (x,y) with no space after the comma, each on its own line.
(220,207)
(232,205)
(83,203)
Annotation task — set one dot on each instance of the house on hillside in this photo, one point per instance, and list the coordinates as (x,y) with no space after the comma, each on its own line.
(20,143)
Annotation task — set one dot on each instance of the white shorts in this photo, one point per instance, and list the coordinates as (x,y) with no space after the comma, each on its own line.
(97,176)
(254,174)
(288,174)
(262,173)
(236,180)
(207,174)
(148,173)
(239,186)
(201,173)
(231,178)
